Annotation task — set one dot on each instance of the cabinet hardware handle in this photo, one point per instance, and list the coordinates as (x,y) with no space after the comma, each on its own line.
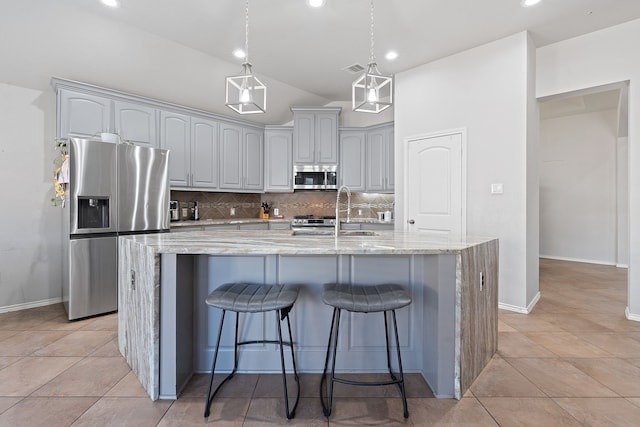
(411,222)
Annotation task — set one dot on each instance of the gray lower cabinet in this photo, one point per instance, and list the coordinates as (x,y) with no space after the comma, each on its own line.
(193,145)
(278,159)
(280,225)
(241,158)
(254,226)
(136,123)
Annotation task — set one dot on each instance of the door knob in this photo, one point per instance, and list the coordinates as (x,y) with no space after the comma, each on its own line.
(411,222)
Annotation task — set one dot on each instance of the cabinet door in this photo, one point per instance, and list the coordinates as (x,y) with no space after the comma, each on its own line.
(175,136)
(352,160)
(326,141)
(231,156)
(83,115)
(204,153)
(135,123)
(253,164)
(376,156)
(278,160)
(304,137)
(391,165)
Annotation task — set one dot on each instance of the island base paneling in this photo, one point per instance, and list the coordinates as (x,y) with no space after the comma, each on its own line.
(310,317)
(166,332)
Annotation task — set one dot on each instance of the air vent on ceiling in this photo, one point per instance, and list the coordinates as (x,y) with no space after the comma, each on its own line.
(354,69)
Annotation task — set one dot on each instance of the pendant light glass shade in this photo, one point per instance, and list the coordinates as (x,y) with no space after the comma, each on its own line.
(372,92)
(245,93)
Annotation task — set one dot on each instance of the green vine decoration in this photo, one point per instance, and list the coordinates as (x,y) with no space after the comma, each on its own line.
(59,189)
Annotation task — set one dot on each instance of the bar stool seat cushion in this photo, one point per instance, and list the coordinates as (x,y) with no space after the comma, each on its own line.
(365,298)
(251,298)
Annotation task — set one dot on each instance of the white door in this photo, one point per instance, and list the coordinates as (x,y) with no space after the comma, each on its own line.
(435,185)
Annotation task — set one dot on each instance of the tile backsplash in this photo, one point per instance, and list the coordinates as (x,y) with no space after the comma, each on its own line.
(319,203)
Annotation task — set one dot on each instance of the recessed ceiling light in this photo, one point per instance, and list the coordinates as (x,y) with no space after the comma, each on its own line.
(111,3)
(391,55)
(239,53)
(527,3)
(316,3)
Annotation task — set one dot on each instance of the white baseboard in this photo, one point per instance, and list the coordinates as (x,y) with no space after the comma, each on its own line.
(634,317)
(26,305)
(587,261)
(518,309)
(622,265)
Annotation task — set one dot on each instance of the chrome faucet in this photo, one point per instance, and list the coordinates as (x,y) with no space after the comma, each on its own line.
(340,190)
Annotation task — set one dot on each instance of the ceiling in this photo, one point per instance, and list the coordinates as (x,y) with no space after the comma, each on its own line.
(580,104)
(309,48)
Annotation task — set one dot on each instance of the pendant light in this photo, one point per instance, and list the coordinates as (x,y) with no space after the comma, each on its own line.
(245,93)
(372,92)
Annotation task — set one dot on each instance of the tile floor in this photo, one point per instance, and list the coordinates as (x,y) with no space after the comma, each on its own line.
(574,361)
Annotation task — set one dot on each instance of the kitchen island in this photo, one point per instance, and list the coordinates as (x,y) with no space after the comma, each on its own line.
(166,332)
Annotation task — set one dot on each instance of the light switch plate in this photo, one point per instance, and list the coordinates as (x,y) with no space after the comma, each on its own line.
(497,188)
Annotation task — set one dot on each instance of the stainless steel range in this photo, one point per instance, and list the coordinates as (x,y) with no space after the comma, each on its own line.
(305,222)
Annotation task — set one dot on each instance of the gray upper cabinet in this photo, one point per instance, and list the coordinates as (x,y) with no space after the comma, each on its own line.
(231,174)
(193,145)
(87,116)
(136,123)
(391,159)
(352,159)
(83,115)
(241,158)
(253,159)
(315,135)
(204,153)
(278,169)
(380,159)
(175,135)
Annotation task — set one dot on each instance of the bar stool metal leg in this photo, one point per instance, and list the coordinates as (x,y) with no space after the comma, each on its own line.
(331,352)
(210,396)
(281,315)
(400,381)
(333,334)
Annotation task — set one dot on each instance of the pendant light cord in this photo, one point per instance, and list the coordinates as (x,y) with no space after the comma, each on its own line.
(246,32)
(372,57)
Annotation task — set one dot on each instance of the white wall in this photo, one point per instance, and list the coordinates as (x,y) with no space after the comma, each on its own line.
(604,57)
(622,189)
(30,263)
(578,212)
(486,90)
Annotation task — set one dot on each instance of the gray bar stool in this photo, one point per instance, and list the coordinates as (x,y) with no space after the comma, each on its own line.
(250,298)
(363,299)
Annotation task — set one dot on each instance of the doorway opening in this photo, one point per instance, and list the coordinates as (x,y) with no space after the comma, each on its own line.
(584,176)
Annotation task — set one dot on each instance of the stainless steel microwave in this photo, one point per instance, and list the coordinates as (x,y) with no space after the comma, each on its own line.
(315,177)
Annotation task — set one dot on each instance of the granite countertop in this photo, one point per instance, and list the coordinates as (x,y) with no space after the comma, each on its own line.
(230,221)
(226,221)
(220,242)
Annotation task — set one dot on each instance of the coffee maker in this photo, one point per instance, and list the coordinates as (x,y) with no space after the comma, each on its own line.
(174,214)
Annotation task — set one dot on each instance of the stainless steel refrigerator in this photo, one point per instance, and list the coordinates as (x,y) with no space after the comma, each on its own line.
(114,189)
